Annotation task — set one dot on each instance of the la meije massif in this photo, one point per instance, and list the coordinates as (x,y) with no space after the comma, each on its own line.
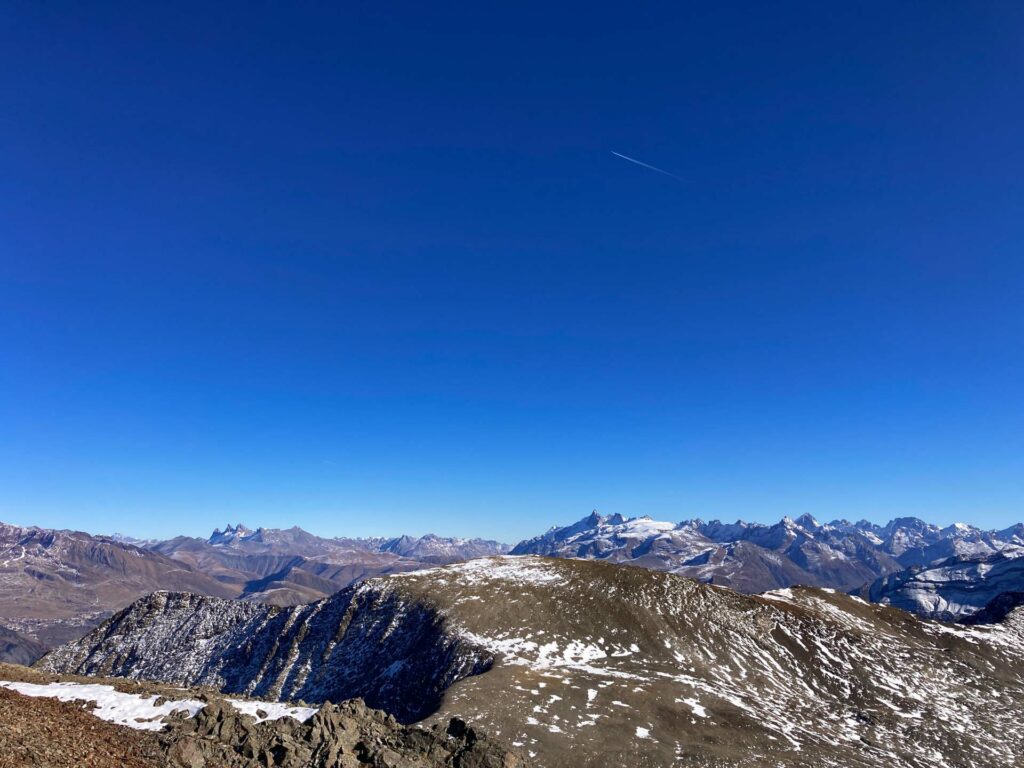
(610,642)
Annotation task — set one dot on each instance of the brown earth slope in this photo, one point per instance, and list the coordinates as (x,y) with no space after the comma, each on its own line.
(56,585)
(54,734)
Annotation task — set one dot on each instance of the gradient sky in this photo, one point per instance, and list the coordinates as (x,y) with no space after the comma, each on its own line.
(375,269)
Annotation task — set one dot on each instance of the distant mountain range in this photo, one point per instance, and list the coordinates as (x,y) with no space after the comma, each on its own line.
(56,585)
(752,557)
(572,657)
(292,566)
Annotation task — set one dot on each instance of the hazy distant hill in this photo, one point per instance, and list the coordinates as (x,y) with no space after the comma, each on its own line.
(292,566)
(55,585)
(18,649)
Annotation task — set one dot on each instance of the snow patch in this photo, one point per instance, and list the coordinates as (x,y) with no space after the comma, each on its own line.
(142,713)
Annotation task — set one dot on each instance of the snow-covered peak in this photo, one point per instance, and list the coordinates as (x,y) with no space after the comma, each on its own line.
(959,530)
(756,557)
(229,535)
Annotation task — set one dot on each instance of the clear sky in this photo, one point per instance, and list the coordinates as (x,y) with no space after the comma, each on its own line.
(374,267)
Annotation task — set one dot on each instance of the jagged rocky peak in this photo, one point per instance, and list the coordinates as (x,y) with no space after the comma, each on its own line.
(807,520)
(905,532)
(716,530)
(1015,534)
(231,533)
(960,529)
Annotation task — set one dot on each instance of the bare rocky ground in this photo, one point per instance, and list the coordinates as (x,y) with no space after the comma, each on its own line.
(48,733)
(55,734)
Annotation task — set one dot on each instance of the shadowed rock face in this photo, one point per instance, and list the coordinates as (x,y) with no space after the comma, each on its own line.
(998,609)
(348,735)
(360,643)
(588,664)
(16,649)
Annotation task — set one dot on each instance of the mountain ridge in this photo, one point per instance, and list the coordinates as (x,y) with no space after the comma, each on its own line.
(756,557)
(609,664)
(56,585)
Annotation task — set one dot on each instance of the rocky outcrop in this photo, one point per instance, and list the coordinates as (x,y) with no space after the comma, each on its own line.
(52,728)
(347,735)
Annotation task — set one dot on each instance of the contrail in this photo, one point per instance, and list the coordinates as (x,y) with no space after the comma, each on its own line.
(645,165)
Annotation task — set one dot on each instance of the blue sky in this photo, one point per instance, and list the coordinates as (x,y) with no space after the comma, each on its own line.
(376,270)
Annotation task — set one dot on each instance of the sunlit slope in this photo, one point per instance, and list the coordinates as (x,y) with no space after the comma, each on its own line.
(592,664)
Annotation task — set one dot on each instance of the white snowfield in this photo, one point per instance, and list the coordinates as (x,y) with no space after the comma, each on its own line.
(272,710)
(145,714)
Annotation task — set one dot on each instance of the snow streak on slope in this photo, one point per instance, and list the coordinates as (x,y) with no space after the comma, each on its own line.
(147,713)
(129,709)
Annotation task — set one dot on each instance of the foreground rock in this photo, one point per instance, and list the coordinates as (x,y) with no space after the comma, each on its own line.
(347,735)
